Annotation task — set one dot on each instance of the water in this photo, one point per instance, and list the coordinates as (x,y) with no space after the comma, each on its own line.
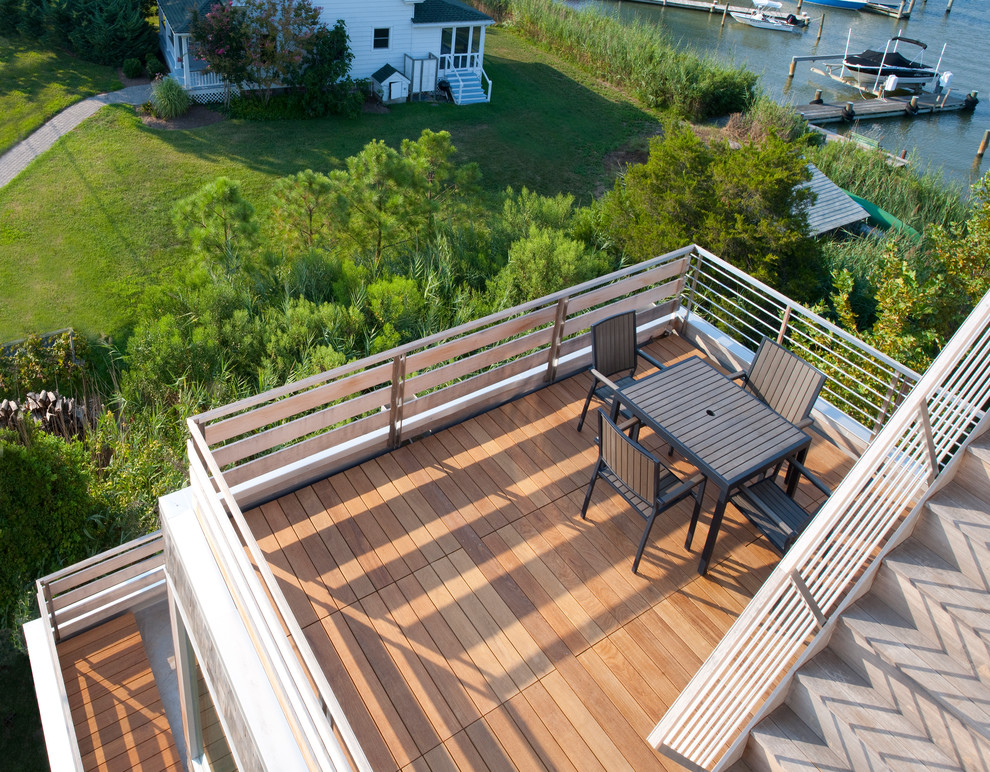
(948,142)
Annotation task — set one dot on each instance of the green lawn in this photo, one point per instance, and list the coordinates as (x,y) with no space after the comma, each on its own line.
(36,83)
(87,226)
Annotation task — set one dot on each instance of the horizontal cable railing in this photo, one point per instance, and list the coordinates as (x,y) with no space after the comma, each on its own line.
(862,382)
(849,535)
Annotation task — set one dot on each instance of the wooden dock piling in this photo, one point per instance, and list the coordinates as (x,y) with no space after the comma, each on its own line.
(983,144)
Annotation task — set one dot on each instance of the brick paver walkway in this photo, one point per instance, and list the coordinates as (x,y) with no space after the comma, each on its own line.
(15,160)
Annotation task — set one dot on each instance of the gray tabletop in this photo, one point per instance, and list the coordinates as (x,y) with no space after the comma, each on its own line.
(727,431)
(729,434)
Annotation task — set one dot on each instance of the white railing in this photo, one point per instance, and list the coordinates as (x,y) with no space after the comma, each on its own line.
(706,726)
(460,61)
(488,91)
(77,598)
(311,707)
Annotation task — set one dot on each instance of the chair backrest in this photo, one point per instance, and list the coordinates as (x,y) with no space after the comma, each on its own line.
(613,344)
(784,381)
(627,460)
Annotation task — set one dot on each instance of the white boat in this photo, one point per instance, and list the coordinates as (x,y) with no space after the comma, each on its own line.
(873,69)
(759,19)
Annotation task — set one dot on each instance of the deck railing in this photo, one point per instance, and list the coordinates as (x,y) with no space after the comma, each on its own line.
(82,596)
(835,557)
(90,592)
(259,448)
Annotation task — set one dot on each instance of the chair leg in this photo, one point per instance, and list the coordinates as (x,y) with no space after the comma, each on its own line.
(642,542)
(699,496)
(587,402)
(591,487)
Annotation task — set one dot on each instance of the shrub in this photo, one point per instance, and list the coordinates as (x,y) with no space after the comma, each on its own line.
(106,31)
(154,66)
(168,98)
(132,68)
(10,16)
(31,22)
(47,516)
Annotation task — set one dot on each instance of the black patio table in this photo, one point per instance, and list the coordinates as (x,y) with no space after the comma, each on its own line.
(730,435)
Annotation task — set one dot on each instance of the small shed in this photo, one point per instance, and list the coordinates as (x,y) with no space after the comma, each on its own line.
(390,84)
(833,208)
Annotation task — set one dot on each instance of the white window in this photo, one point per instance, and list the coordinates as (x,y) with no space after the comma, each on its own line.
(380,38)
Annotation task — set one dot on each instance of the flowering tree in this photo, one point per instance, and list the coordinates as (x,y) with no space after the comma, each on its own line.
(221,41)
(279,34)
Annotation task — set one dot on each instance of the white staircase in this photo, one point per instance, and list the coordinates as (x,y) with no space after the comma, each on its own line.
(904,682)
(466,88)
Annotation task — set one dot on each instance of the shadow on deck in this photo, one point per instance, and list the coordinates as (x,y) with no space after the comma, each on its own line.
(466,617)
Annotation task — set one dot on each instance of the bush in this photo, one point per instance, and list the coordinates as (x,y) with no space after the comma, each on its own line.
(133,68)
(154,66)
(48,517)
(105,31)
(168,98)
(10,16)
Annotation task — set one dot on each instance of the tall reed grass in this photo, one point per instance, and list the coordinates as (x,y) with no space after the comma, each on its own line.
(636,57)
(920,199)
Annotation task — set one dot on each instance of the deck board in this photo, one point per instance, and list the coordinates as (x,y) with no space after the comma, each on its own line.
(467,616)
(117,711)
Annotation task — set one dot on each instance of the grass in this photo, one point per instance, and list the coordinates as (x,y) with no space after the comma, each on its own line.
(88,225)
(36,84)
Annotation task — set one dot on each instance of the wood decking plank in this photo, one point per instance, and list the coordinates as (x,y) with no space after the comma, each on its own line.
(323,561)
(341,678)
(495,756)
(474,644)
(356,582)
(409,669)
(464,754)
(308,575)
(567,735)
(365,559)
(540,738)
(394,732)
(449,646)
(513,740)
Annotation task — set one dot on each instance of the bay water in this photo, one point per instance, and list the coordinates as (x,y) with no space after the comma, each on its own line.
(948,142)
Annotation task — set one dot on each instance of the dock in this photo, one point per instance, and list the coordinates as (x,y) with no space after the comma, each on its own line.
(886,107)
(723,9)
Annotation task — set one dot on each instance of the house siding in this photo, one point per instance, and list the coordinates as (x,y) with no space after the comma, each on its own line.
(362,18)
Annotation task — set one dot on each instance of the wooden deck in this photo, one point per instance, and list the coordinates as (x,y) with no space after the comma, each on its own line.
(468,618)
(116,708)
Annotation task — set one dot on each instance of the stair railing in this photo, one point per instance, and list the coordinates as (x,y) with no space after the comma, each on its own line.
(488,91)
(707,725)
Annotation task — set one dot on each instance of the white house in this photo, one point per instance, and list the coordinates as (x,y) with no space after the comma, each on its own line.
(425,41)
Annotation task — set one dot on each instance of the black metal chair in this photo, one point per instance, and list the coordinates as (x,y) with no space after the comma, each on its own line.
(778,516)
(614,351)
(784,381)
(641,479)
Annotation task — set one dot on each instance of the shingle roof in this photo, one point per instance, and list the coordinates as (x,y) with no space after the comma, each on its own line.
(179,12)
(833,208)
(385,73)
(447,12)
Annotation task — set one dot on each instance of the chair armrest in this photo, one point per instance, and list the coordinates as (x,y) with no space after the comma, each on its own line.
(604,380)
(683,487)
(805,423)
(807,473)
(737,375)
(651,360)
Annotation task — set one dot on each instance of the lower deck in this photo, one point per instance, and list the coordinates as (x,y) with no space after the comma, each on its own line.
(116,707)
(467,617)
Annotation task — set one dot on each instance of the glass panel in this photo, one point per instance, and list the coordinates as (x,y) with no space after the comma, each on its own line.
(446,36)
(461,42)
(476,39)
(381,37)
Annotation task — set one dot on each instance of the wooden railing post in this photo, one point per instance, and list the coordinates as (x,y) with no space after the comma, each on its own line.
(926,424)
(555,339)
(46,592)
(802,587)
(396,400)
(783,324)
(694,285)
(889,402)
